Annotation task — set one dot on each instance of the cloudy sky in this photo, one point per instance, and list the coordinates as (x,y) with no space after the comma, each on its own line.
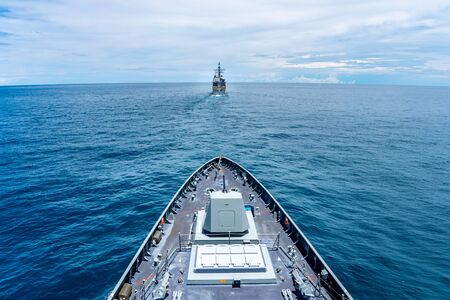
(88,41)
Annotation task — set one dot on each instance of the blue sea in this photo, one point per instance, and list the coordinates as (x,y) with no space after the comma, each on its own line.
(86,169)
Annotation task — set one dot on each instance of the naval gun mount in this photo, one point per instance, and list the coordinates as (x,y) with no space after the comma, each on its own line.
(226,214)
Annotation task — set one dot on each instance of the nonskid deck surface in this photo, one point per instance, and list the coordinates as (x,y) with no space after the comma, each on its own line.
(175,247)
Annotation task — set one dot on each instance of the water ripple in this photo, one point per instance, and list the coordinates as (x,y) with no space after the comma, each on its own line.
(86,169)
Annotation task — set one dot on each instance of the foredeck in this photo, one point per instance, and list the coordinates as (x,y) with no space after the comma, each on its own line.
(274,228)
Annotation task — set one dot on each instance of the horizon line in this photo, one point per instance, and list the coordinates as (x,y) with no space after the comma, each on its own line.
(237,82)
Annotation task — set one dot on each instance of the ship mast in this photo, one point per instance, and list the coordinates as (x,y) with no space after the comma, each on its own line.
(219,70)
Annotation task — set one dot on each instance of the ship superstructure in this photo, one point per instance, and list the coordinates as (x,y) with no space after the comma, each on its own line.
(224,236)
(219,85)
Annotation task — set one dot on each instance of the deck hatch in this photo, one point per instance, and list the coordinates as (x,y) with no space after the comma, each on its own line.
(219,264)
(229,258)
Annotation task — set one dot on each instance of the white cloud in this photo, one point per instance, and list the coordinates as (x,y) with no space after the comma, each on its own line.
(140,40)
(317,65)
(438,65)
(328,79)
(5,81)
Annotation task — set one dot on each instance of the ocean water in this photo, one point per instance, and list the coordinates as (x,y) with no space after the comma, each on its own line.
(86,169)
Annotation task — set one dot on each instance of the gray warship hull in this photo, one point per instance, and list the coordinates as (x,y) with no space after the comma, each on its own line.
(219,85)
(272,259)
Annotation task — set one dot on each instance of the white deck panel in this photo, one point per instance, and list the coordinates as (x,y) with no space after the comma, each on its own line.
(222,249)
(238,260)
(208,261)
(208,249)
(229,256)
(224,261)
(222,267)
(254,260)
(236,249)
(252,249)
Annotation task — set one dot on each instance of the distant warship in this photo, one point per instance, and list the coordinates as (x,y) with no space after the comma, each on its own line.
(224,236)
(218,85)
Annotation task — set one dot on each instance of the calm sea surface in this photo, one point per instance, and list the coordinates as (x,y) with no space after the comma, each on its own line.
(86,169)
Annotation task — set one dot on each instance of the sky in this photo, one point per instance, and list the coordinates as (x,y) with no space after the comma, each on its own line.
(99,41)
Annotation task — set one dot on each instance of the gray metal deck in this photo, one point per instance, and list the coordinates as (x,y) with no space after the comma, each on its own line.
(275,229)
